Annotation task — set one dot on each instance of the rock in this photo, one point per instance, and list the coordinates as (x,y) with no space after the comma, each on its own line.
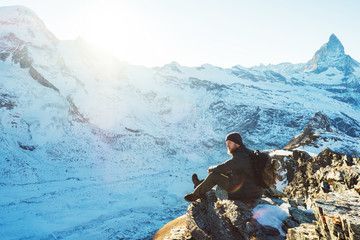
(291,202)
(38,77)
(304,232)
(323,174)
(221,193)
(320,122)
(174,230)
(7,101)
(227,219)
(269,231)
(289,222)
(269,201)
(272,192)
(348,160)
(338,215)
(22,57)
(357,187)
(301,216)
(211,220)
(325,187)
(352,178)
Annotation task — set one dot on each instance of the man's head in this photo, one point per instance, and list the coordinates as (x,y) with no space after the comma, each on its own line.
(233,142)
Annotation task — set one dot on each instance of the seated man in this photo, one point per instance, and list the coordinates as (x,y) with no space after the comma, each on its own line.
(236,175)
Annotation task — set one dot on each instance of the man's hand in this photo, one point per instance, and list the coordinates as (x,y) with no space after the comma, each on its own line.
(211,169)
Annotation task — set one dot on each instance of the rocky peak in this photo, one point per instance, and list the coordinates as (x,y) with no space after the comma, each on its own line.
(331,54)
(319,123)
(334,45)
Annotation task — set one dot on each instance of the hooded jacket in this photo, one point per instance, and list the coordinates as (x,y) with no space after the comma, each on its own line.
(241,176)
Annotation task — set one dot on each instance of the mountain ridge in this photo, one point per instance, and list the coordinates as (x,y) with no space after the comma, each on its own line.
(75,121)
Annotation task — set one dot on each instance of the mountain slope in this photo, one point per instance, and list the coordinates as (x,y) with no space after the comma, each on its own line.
(76,122)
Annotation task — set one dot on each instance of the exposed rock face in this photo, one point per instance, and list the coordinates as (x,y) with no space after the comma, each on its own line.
(226,219)
(305,231)
(338,215)
(320,122)
(337,218)
(329,171)
(7,101)
(37,76)
(329,183)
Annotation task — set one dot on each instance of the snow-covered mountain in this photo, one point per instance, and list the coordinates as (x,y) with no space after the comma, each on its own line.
(97,148)
(331,54)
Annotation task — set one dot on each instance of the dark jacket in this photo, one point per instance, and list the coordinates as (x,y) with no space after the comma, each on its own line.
(241,176)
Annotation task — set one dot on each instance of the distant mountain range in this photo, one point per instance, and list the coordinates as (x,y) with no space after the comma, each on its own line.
(74,118)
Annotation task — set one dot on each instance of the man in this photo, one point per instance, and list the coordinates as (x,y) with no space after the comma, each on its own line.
(236,175)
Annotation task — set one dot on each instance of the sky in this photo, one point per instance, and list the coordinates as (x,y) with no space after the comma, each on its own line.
(194,32)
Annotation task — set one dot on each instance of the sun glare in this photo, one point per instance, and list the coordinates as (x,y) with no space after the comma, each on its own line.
(120,31)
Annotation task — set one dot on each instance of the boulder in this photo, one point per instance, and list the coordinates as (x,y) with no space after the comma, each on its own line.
(174,230)
(211,218)
(288,223)
(301,216)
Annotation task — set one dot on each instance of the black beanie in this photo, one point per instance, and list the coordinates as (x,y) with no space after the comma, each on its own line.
(234,137)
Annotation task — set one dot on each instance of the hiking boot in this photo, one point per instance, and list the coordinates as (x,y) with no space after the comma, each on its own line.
(196,180)
(191,197)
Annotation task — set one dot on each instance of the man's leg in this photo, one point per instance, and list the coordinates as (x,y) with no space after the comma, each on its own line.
(210,181)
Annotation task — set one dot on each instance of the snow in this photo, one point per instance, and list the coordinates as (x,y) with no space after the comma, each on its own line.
(271,215)
(75,205)
(281,152)
(283,68)
(280,185)
(337,142)
(121,169)
(26,25)
(330,76)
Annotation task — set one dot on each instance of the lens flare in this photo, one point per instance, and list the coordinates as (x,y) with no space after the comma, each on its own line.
(260,213)
(238,187)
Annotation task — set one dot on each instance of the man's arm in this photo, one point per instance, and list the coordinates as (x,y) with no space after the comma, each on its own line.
(221,168)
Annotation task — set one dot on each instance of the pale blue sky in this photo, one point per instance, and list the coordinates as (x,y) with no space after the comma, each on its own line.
(192,32)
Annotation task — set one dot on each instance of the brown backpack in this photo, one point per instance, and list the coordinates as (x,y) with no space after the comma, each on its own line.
(265,168)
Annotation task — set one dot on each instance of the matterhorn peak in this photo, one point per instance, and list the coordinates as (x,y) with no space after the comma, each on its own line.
(334,38)
(334,46)
(331,54)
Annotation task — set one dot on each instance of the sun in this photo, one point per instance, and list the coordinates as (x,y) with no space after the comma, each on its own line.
(116,28)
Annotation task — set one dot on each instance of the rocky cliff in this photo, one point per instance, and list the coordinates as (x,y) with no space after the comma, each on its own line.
(321,200)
